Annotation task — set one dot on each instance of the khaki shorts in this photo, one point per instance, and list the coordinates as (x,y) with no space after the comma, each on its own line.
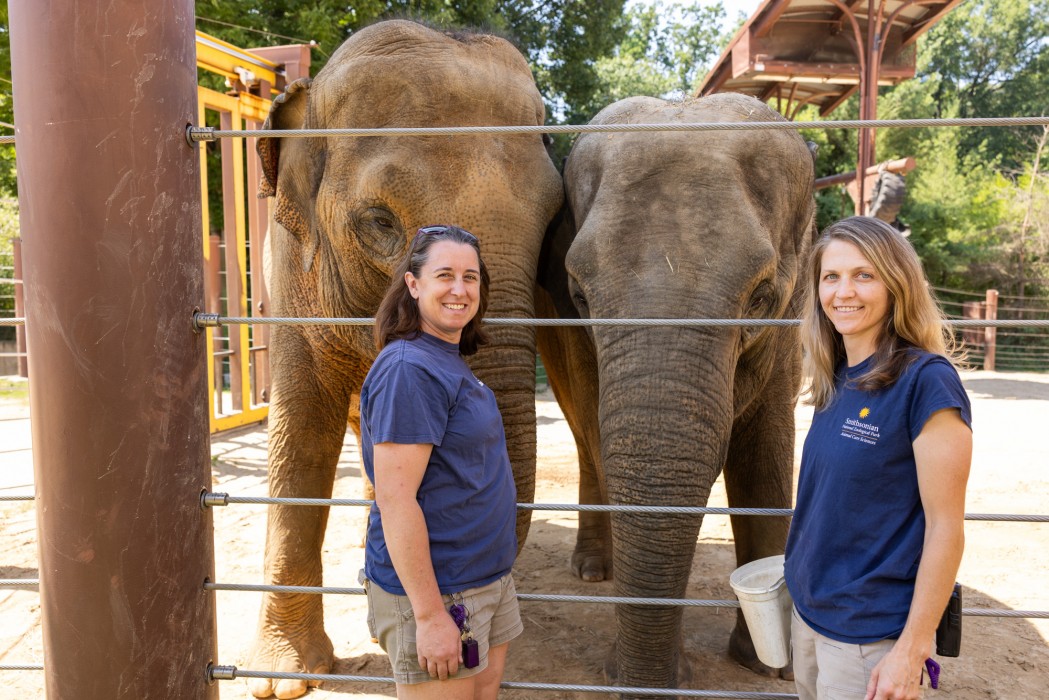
(494,619)
(826,669)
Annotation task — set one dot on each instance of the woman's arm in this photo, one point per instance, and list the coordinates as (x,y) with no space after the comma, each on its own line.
(399,471)
(943,453)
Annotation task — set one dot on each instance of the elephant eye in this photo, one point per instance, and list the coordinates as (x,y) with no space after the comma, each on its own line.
(762,300)
(578,298)
(379,230)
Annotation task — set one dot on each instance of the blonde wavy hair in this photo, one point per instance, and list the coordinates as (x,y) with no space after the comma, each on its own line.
(914,319)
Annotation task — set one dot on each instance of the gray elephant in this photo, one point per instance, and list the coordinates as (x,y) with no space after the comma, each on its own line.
(677,225)
(346,209)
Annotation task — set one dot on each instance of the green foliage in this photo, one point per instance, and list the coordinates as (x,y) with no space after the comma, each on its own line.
(8,231)
(662,53)
(14,389)
(992,59)
(7,115)
(976,203)
(987,58)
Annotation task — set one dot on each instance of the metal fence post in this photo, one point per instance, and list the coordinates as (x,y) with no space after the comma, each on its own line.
(111,223)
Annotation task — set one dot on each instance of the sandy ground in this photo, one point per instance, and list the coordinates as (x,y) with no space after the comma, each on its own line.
(1006,564)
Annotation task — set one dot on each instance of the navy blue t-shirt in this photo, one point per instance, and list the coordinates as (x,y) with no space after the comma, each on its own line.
(858,529)
(421,391)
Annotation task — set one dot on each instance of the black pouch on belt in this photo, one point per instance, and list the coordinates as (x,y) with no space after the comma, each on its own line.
(949,631)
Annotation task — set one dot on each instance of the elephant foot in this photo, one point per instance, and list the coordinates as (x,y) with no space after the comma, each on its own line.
(592,558)
(306,651)
(591,566)
(741,650)
(684,669)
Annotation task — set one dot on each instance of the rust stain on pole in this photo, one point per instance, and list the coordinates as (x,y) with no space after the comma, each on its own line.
(110,210)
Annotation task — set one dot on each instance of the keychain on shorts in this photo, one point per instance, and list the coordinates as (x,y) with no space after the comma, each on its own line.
(471,655)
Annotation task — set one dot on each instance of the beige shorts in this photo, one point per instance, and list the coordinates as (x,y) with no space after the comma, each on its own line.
(494,619)
(825,669)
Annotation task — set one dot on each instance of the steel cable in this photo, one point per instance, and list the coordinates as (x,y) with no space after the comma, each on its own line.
(210,500)
(203,320)
(229,673)
(557,598)
(6,583)
(196,134)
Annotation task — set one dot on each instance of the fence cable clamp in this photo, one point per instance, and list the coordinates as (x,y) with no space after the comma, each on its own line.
(202,320)
(212,500)
(221,673)
(196,134)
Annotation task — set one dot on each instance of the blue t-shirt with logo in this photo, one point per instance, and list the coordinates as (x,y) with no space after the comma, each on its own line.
(858,529)
(422,391)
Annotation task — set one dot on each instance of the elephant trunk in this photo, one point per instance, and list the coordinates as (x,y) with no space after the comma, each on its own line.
(665,429)
(507,366)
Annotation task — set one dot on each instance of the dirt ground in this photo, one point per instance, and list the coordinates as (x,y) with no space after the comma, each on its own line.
(1006,564)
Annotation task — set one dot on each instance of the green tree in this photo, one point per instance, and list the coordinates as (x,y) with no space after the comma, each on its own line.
(665,48)
(7,116)
(563,39)
(991,58)
(986,58)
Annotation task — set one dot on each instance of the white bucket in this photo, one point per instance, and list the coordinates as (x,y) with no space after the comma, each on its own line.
(766,605)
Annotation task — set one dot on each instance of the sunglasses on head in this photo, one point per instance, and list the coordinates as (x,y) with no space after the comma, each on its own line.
(440,230)
(431,231)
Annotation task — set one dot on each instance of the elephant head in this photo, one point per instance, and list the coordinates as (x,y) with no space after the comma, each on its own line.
(682,225)
(346,209)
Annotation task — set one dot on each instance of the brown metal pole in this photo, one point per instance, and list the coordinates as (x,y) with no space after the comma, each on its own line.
(110,212)
(868,105)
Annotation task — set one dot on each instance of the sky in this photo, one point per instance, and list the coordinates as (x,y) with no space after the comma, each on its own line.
(732,7)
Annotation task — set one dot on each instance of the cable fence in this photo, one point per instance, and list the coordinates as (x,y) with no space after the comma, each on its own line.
(1022,348)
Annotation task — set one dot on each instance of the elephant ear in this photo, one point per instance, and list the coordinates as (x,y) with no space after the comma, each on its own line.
(551,273)
(287,156)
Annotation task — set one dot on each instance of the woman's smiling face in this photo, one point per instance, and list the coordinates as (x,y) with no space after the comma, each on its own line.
(854,297)
(448,289)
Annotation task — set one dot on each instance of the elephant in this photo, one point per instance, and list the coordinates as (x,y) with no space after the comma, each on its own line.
(345,211)
(701,225)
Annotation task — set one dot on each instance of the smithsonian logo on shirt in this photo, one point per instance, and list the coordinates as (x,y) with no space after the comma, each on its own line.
(859,430)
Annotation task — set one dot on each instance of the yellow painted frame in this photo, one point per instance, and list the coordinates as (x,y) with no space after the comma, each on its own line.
(235,107)
(218,56)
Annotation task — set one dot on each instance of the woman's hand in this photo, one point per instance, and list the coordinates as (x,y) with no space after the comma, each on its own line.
(399,471)
(439,645)
(897,676)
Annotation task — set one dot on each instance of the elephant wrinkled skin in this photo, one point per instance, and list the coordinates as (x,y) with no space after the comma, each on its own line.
(677,225)
(346,209)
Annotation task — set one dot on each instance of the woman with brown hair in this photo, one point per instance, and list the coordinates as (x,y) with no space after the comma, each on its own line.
(441,539)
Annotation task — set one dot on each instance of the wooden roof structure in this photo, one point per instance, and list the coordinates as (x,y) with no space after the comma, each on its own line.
(803,52)
(821,52)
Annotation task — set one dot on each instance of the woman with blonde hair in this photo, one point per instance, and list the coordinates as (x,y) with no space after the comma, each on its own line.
(877,535)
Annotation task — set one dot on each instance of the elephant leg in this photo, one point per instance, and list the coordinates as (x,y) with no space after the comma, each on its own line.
(572,370)
(306,428)
(758,474)
(592,557)
(684,669)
